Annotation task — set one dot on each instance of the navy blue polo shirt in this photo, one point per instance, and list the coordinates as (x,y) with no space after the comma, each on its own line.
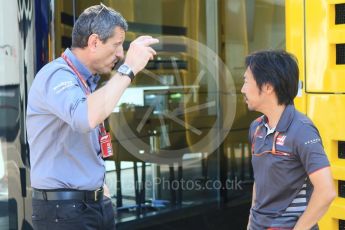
(282,160)
(64,150)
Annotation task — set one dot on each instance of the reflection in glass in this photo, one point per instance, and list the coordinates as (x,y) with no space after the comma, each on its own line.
(248,26)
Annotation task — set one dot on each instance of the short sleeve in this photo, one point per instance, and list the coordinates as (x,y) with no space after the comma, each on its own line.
(253,127)
(66,99)
(310,149)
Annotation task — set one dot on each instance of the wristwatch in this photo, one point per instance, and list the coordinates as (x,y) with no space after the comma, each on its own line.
(124,69)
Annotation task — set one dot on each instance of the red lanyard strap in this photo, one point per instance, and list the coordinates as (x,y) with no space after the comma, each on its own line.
(87,89)
(70,64)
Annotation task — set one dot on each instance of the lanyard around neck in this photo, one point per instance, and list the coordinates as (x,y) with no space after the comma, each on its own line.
(273,151)
(84,83)
(85,86)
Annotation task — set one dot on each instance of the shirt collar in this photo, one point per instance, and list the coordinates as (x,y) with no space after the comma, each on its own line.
(285,119)
(92,80)
(269,130)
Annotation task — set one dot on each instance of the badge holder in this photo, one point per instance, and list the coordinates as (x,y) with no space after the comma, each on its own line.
(105,142)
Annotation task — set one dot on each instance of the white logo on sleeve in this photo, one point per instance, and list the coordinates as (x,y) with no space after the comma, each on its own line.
(62,86)
(312,141)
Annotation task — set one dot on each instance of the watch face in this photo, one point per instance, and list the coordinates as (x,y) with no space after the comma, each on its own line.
(124,69)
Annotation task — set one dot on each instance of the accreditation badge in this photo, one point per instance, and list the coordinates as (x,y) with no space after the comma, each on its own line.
(106,146)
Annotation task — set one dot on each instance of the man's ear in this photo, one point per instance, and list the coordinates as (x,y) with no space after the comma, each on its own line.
(268,88)
(92,42)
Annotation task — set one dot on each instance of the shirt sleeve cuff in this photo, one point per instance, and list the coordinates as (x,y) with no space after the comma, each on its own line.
(80,119)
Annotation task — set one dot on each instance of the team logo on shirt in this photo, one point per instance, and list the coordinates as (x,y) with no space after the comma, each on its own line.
(313,141)
(62,86)
(280,139)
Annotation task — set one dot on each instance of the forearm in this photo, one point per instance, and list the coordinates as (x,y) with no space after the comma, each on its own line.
(316,208)
(103,101)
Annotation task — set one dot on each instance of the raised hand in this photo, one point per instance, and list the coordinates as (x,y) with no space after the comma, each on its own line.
(140,52)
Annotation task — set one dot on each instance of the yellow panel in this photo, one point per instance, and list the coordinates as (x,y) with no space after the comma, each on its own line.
(336,34)
(338,169)
(328,223)
(317,48)
(337,209)
(334,80)
(330,124)
(294,13)
(336,1)
(323,75)
(331,127)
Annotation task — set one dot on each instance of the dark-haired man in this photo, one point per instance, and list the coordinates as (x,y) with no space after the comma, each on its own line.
(293,186)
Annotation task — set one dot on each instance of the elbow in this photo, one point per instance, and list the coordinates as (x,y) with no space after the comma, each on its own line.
(329,196)
(325,195)
(92,124)
(94,119)
(332,195)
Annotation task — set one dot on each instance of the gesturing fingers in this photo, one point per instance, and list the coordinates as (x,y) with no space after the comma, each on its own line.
(146,40)
(150,41)
(143,37)
(140,52)
(151,50)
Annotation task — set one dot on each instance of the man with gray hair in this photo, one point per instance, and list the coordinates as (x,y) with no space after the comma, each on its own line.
(65,118)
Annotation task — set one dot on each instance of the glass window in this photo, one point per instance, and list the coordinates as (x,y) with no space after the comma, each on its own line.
(247,26)
(168,128)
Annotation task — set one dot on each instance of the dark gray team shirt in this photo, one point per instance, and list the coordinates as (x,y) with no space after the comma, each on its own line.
(282,186)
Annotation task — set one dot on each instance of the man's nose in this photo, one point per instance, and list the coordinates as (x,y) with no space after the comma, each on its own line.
(242,89)
(119,53)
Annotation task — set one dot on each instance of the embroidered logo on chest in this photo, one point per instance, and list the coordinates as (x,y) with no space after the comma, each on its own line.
(280,139)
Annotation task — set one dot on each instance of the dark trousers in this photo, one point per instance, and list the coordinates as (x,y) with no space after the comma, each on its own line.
(73,214)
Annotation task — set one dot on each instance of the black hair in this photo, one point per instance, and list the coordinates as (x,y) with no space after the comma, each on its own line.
(277,68)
